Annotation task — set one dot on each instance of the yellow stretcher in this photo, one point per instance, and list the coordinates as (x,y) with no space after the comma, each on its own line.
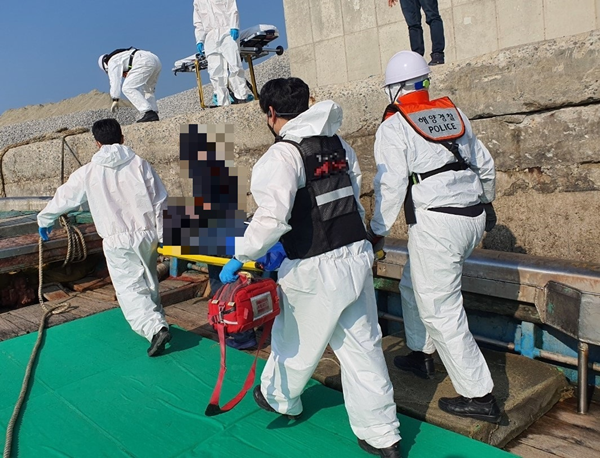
(175,252)
(253,43)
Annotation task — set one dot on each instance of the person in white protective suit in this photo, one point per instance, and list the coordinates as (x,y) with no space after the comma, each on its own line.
(126,199)
(428,157)
(217,29)
(307,188)
(140,70)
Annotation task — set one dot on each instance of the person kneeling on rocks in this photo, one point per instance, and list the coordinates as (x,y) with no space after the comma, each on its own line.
(140,70)
(126,199)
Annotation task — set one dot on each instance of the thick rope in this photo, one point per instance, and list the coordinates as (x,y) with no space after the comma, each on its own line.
(75,243)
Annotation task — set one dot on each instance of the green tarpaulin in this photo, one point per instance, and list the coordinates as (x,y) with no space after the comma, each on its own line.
(97,394)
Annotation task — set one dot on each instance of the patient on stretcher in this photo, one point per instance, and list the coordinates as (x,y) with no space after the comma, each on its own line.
(207,221)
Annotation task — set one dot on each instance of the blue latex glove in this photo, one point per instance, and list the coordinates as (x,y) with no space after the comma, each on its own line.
(274,257)
(229,272)
(200,48)
(44,232)
(235,33)
(160,245)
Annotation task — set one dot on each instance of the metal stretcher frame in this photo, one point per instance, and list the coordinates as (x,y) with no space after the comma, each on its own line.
(175,252)
(251,48)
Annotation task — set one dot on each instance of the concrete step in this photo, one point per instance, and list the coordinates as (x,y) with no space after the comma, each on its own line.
(524,388)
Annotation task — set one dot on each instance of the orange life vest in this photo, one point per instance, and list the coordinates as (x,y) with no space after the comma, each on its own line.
(435,120)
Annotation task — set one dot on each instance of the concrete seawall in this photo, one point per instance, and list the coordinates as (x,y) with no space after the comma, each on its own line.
(536,108)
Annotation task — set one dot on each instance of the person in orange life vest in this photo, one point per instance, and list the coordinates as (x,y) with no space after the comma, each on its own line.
(428,157)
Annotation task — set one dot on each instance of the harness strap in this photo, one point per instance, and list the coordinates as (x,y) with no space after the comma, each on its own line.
(213,407)
(409,204)
(131,58)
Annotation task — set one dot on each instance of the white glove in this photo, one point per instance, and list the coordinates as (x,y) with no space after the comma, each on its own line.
(114,105)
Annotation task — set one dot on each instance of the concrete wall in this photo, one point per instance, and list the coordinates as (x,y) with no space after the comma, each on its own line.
(337,41)
(541,128)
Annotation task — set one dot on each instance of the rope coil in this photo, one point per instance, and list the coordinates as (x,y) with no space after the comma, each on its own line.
(76,252)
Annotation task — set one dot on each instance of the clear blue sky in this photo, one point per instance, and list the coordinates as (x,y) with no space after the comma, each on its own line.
(49,48)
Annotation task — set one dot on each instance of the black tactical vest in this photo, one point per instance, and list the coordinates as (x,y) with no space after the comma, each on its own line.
(325,215)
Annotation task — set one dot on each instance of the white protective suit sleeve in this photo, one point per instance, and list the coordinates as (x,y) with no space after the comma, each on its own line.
(115,76)
(158,196)
(481,163)
(274,185)
(68,197)
(391,179)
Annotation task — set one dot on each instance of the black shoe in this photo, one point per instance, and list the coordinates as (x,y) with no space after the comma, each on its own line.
(149,116)
(393,451)
(417,362)
(437,58)
(484,408)
(160,339)
(263,404)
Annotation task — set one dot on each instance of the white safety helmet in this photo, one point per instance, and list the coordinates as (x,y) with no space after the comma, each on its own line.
(101,63)
(404,66)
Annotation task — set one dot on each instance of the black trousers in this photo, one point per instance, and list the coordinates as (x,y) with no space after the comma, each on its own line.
(412,14)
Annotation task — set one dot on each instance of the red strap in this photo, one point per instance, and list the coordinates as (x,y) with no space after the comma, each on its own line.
(213,406)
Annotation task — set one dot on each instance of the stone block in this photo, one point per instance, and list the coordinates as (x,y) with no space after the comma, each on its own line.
(562,20)
(358,15)
(326,19)
(297,26)
(475,29)
(303,64)
(544,224)
(555,138)
(362,49)
(332,67)
(523,79)
(393,38)
(525,389)
(520,22)
(386,15)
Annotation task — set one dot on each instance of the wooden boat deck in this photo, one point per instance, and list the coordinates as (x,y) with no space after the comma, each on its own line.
(560,433)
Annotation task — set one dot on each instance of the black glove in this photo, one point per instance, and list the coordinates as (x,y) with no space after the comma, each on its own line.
(376,240)
(490,217)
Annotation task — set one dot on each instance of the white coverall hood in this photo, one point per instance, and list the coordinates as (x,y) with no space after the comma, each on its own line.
(113,155)
(323,118)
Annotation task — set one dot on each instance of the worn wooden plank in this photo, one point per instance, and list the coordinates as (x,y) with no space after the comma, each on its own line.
(556,445)
(171,283)
(9,329)
(180,294)
(566,411)
(527,451)
(54,292)
(89,283)
(32,313)
(24,326)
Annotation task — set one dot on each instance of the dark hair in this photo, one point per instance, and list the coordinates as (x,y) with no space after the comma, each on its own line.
(107,131)
(289,97)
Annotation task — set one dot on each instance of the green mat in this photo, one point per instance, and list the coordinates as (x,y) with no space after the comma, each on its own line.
(97,394)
